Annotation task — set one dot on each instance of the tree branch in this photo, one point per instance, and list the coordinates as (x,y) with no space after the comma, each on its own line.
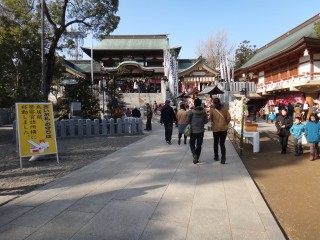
(46,12)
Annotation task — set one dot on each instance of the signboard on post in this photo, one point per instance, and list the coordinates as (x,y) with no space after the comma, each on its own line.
(36,130)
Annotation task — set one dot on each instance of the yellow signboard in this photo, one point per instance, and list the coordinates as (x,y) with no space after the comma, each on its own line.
(36,131)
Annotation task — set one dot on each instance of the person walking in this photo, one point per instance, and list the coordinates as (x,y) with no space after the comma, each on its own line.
(305,110)
(136,112)
(290,108)
(283,124)
(197,118)
(149,117)
(297,129)
(312,132)
(182,122)
(266,112)
(128,113)
(155,107)
(220,118)
(298,111)
(167,118)
(272,117)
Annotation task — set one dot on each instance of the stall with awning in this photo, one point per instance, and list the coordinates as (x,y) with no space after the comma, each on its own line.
(211,90)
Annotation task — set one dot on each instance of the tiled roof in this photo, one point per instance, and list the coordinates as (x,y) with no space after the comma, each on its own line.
(186,63)
(133,42)
(82,66)
(283,42)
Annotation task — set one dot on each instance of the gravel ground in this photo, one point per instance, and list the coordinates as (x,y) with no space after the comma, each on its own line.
(73,154)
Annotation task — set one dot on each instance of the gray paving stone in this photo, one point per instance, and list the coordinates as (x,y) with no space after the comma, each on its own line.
(271,226)
(149,192)
(160,230)
(94,202)
(243,234)
(212,197)
(9,213)
(209,224)
(174,209)
(14,232)
(42,214)
(41,197)
(255,194)
(246,216)
(64,226)
(118,220)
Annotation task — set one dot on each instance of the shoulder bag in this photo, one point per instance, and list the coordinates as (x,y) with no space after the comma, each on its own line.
(222,117)
(187,130)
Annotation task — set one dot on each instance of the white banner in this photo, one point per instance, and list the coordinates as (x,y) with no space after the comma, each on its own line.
(171,71)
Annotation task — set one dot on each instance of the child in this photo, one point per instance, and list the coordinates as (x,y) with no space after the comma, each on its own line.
(312,132)
(297,129)
(272,117)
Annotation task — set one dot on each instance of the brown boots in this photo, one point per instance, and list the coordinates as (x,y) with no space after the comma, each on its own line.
(314,152)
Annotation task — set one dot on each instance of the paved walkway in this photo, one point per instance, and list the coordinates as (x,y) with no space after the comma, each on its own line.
(147,190)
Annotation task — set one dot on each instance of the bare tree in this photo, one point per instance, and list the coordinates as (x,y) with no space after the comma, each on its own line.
(219,53)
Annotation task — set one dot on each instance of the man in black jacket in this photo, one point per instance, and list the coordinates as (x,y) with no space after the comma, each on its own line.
(197,118)
(283,125)
(167,117)
(135,112)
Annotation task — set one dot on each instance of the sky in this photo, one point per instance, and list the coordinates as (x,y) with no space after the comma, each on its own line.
(190,23)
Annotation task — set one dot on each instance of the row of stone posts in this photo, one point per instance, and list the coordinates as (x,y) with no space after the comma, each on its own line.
(91,128)
(87,127)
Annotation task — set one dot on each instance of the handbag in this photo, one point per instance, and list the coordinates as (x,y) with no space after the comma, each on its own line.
(187,130)
(304,139)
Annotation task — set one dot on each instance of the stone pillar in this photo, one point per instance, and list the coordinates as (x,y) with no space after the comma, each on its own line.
(96,125)
(134,125)
(112,126)
(63,128)
(140,126)
(80,127)
(119,126)
(88,127)
(72,128)
(126,125)
(104,127)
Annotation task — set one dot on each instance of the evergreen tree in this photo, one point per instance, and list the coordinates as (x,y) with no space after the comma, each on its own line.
(244,53)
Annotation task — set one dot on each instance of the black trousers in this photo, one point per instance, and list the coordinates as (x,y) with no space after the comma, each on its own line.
(284,143)
(168,131)
(219,138)
(196,140)
(148,124)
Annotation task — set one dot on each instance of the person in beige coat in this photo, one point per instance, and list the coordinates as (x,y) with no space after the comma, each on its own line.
(182,122)
(220,118)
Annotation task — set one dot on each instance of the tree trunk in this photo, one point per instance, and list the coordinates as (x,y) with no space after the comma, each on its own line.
(51,63)
(50,66)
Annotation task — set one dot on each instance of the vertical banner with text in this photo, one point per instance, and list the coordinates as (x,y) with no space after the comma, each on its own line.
(36,130)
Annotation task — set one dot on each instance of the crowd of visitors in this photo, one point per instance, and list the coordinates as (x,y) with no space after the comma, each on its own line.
(299,120)
(197,117)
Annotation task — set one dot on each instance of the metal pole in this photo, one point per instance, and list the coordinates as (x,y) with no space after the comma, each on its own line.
(242,126)
(92,82)
(43,83)
(103,92)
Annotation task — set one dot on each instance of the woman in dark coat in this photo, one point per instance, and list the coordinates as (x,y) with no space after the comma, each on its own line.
(283,125)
